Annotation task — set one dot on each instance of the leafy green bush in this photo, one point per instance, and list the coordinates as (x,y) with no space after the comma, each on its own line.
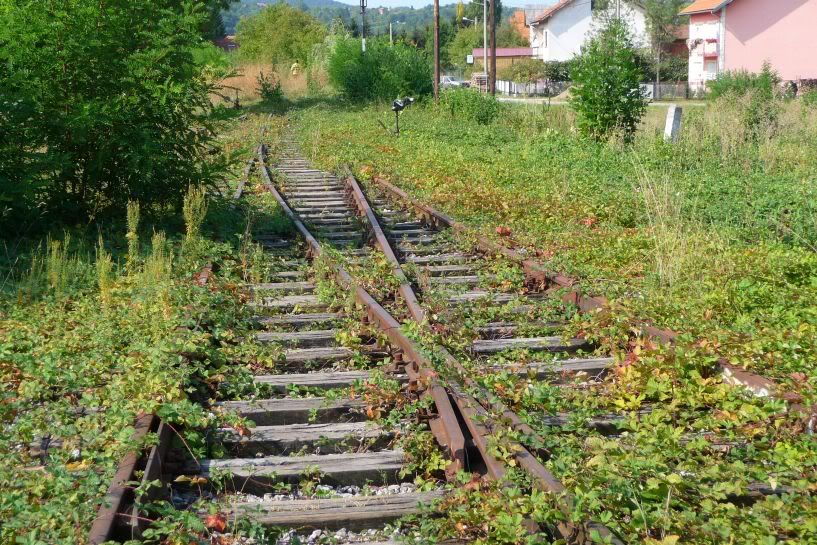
(100,103)
(524,71)
(758,91)
(810,98)
(382,72)
(269,87)
(742,82)
(606,93)
(470,104)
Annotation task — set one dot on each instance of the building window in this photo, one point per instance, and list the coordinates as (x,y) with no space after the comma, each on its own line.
(711,69)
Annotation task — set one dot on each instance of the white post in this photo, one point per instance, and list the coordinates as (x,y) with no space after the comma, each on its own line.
(391,37)
(672,129)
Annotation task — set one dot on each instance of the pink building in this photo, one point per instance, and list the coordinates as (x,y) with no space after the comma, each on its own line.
(742,34)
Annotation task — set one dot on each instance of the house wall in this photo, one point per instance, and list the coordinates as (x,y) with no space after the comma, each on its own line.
(567,31)
(703,27)
(785,35)
(570,27)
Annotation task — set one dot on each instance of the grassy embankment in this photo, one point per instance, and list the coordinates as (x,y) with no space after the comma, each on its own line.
(714,236)
(96,329)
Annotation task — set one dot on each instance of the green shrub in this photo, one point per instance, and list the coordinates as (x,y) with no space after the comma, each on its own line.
(606,93)
(100,103)
(470,104)
(742,82)
(524,71)
(758,90)
(810,98)
(269,87)
(383,72)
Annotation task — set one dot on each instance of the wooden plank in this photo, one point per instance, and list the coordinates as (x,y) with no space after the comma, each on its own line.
(448,258)
(470,280)
(294,286)
(275,412)
(329,354)
(290,274)
(533,344)
(291,301)
(255,475)
(354,513)
(444,270)
(590,366)
(330,437)
(303,339)
(477,295)
(337,379)
(297,320)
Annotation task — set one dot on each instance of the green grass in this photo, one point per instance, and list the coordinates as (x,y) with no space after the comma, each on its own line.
(90,339)
(714,237)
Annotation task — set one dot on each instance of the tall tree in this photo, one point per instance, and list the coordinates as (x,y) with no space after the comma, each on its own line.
(663,19)
(279,34)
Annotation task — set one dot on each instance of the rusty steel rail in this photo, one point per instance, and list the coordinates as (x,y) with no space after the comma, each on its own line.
(406,292)
(474,412)
(446,425)
(109,517)
(537,273)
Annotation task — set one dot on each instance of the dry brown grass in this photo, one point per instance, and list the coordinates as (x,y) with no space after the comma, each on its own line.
(244,84)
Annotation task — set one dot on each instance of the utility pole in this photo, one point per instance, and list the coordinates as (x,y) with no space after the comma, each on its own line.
(485,37)
(363,24)
(391,36)
(492,24)
(436,50)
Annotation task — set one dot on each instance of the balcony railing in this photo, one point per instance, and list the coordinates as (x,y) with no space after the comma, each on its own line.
(711,49)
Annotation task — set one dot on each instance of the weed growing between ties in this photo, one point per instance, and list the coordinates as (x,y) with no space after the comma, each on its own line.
(91,337)
(714,236)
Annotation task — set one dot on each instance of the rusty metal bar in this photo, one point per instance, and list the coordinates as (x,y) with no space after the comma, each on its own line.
(384,321)
(382,242)
(246,175)
(119,493)
(536,272)
(474,411)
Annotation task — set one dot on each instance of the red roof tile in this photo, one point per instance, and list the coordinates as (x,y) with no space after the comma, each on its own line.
(548,13)
(704,6)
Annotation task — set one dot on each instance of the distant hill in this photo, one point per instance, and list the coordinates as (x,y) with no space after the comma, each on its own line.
(405,20)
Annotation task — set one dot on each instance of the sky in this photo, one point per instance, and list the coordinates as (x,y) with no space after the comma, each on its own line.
(421,3)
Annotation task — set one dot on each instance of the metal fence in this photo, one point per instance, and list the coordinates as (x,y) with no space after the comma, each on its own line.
(553,88)
(538,88)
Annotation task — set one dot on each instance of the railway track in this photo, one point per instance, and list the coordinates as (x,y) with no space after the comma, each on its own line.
(321,462)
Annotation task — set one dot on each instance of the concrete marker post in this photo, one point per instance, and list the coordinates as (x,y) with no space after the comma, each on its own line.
(672,128)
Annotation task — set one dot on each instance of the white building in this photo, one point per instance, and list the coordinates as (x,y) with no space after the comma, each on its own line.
(558,32)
